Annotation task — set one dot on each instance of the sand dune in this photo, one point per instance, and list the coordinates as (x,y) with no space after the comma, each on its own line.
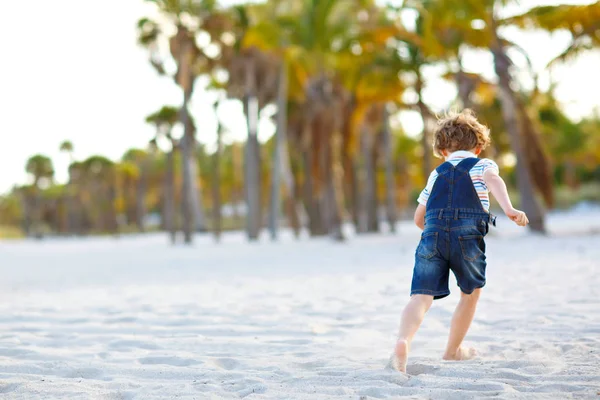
(133,318)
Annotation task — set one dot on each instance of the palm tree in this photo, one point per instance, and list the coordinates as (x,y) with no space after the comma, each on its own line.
(418,58)
(252,79)
(443,33)
(164,120)
(42,171)
(281,159)
(252,156)
(531,159)
(369,143)
(77,184)
(129,173)
(510,113)
(141,160)
(372,80)
(40,168)
(99,175)
(322,98)
(314,36)
(191,62)
(280,148)
(67,147)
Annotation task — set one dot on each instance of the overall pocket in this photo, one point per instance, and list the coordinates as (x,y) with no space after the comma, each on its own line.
(472,246)
(484,227)
(428,245)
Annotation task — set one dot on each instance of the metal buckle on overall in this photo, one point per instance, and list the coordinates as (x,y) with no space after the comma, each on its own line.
(493,219)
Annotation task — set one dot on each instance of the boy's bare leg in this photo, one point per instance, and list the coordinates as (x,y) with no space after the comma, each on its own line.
(461,321)
(412,316)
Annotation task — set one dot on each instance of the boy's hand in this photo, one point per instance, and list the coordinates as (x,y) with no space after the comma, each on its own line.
(518,217)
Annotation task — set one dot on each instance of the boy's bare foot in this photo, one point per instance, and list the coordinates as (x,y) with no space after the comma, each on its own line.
(400,356)
(463,353)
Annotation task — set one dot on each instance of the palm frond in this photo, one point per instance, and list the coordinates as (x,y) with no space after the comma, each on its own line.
(574,18)
(571,52)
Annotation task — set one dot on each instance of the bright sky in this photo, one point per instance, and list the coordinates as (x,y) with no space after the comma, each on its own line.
(73,70)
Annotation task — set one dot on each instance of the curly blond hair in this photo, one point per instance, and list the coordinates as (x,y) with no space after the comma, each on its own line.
(460,131)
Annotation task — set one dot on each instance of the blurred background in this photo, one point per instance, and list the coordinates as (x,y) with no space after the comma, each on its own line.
(313,115)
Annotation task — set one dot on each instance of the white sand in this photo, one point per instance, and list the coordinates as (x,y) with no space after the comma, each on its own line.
(134,318)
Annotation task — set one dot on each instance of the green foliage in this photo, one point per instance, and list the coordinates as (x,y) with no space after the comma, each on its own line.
(66,146)
(167,115)
(40,167)
(11,210)
(564,137)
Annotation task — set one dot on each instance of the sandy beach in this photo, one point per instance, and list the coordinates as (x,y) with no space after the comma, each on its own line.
(133,318)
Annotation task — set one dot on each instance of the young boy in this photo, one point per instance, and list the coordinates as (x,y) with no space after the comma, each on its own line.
(453,213)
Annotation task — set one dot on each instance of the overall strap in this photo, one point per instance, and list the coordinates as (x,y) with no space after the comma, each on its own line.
(444,167)
(467,164)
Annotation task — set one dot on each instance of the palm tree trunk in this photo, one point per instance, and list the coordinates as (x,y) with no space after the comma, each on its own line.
(111,212)
(252,188)
(299,211)
(277,154)
(334,184)
(169,196)
(352,189)
(251,167)
(252,180)
(294,208)
(37,212)
(193,212)
(465,85)
(216,185)
(70,205)
(60,215)
(140,204)
(570,174)
(427,116)
(130,200)
(195,187)
(529,202)
(27,212)
(282,171)
(77,212)
(370,182)
(187,198)
(316,226)
(237,189)
(390,184)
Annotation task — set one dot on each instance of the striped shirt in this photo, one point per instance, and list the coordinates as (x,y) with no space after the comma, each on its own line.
(476,175)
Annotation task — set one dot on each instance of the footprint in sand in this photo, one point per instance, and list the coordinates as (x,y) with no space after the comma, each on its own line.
(121,396)
(226,363)
(418,369)
(255,389)
(10,387)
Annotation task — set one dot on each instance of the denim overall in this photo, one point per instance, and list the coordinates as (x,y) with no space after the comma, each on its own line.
(455,225)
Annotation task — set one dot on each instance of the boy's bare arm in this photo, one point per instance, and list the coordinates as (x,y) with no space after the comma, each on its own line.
(498,188)
(420,216)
